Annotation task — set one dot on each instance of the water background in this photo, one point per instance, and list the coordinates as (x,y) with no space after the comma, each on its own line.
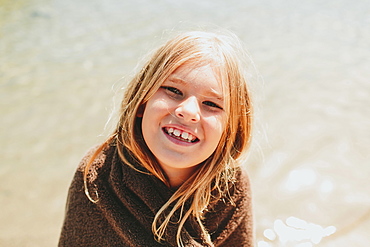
(62,63)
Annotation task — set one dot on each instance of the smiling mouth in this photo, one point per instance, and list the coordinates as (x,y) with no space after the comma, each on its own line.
(180,135)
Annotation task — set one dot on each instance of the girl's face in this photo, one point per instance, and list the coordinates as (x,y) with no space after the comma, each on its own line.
(183,121)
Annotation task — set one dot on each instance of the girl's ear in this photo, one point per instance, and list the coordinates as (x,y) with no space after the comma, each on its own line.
(140,111)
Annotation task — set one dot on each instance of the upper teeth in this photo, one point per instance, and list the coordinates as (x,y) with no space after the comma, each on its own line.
(184,135)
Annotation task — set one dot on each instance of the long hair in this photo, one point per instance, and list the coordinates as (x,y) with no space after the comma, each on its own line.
(226,54)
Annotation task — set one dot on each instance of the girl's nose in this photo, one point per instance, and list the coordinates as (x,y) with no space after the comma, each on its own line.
(189,110)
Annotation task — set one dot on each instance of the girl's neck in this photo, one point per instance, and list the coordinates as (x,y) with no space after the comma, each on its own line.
(178,176)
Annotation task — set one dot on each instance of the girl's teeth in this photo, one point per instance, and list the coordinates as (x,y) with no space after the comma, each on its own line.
(177,132)
(190,137)
(184,135)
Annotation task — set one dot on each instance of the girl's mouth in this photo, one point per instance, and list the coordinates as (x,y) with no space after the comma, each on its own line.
(180,135)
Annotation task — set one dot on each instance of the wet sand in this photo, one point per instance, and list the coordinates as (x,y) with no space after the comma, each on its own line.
(62,64)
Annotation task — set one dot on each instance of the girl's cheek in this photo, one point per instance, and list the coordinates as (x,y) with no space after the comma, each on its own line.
(217,124)
(163,104)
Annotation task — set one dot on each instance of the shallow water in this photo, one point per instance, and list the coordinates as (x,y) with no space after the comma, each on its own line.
(62,64)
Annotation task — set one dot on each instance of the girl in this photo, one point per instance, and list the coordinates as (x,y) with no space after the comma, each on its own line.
(169,175)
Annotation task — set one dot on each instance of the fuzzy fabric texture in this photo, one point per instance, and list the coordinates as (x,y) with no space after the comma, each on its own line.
(128,201)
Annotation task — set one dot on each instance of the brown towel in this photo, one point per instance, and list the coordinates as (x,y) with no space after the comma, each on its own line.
(128,202)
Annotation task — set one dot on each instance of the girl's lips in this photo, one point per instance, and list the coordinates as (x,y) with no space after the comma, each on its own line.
(180,135)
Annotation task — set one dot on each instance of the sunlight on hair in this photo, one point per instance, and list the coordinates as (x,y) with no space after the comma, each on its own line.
(295,232)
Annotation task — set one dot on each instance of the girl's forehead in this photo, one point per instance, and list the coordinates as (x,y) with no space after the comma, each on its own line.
(201,76)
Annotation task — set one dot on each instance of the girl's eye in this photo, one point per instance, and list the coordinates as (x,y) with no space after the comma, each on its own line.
(173,90)
(211,104)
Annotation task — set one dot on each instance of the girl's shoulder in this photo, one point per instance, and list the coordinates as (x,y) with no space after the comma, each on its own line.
(242,176)
(243,183)
(96,155)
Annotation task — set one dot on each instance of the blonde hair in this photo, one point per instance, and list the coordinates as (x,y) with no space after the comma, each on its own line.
(226,54)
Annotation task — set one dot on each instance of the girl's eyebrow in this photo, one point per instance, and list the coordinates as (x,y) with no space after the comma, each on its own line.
(177,80)
(210,93)
(215,94)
